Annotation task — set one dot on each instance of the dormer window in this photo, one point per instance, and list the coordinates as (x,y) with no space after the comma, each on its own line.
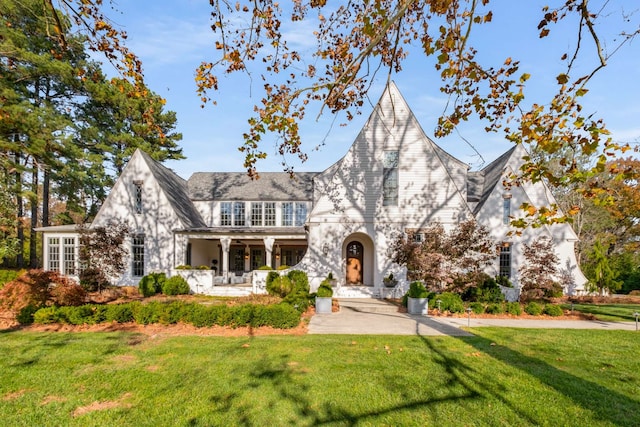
(390,179)
(137,196)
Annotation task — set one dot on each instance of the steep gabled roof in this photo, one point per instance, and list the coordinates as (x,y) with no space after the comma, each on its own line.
(481,183)
(204,186)
(175,189)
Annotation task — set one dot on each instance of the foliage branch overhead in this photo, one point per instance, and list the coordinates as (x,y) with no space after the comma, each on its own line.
(355,40)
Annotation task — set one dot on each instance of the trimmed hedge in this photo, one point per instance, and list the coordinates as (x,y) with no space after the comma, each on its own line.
(279,316)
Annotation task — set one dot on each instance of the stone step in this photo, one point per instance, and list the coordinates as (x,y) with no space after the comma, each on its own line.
(363,305)
(228,291)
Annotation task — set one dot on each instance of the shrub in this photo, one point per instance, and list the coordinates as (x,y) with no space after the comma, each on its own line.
(151,284)
(487,291)
(46,316)
(146,314)
(31,288)
(514,308)
(283,267)
(93,279)
(448,302)
(79,315)
(553,310)
(265,267)
(7,276)
(533,308)
(280,286)
(170,313)
(184,267)
(120,313)
(280,316)
(68,294)
(504,281)
(477,307)
(99,313)
(242,315)
(299,281)
(325,290)
(271,276)
(175,285)
(417,290)
(555,291)
(298,301)
(25,315)
(199,316)
(495,308)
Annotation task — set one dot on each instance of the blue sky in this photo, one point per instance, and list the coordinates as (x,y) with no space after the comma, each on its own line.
(173,37)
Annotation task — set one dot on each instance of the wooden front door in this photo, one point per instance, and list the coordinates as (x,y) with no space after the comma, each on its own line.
(354,263)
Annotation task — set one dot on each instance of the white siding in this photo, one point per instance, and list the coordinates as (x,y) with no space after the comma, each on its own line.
(157,220)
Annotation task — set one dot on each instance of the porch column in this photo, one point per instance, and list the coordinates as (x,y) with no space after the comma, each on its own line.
(247,258)
(225,242)
(268,247)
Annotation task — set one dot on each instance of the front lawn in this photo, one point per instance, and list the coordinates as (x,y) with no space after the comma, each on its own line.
(498,377)
(607,312)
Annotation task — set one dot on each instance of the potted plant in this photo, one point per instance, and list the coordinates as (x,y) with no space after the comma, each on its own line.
(389,281)
(333,282)
(324,296)
(417,301)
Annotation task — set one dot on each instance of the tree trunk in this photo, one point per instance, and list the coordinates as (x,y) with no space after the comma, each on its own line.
(33,235)
(45,198)
(19,213)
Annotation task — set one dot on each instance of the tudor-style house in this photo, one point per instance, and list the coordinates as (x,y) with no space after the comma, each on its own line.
(393,179)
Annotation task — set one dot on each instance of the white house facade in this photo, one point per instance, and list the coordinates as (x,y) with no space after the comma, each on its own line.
(393,179)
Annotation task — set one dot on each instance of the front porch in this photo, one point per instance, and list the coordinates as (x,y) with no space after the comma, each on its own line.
(223,261)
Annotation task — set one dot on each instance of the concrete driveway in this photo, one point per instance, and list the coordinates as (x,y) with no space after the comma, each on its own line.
(379,317)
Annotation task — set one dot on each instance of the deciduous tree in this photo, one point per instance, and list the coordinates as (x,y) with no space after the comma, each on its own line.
(102,254)
(539,273)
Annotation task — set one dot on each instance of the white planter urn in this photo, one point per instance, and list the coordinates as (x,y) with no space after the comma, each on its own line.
(323,305)
(418,306)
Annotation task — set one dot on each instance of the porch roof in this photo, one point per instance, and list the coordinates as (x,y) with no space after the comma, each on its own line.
(248,232)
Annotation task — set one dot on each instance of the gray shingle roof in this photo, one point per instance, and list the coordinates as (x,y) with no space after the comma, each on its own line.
(238,186)
(175,189)
(481,183)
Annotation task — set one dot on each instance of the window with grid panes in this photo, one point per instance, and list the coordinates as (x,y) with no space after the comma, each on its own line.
(225,214)
(270,214)
(390,179)
(137,259)
(301,214)
(69,255)
(54,254)
(256,214)
(137,194)
(238,214)
(287,214)
(505,260)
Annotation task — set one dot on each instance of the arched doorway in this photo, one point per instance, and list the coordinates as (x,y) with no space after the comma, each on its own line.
(355,256)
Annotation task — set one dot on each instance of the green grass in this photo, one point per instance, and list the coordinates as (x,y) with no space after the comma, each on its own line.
(607,312)
(528,377)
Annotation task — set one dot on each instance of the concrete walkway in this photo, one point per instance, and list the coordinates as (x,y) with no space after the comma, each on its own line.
(380,317)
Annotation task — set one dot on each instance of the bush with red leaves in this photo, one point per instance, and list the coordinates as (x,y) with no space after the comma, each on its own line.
(37,288)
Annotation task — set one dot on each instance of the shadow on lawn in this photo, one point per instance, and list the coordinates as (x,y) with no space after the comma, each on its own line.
(285,381)
(584,393)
